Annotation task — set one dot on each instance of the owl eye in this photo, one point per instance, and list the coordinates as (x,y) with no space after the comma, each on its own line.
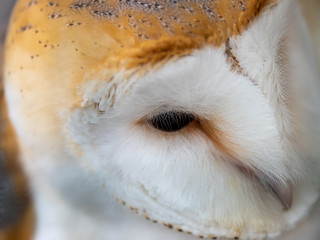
(171,121)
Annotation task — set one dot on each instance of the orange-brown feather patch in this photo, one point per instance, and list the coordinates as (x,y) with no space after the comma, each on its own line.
(130,33)
(222,140)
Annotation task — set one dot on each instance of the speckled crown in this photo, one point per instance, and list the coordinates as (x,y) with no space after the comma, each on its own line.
(133,32)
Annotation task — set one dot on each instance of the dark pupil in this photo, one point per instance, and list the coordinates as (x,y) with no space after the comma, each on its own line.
(171,121)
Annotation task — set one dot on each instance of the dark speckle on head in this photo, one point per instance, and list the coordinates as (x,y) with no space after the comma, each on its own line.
(25,28)
(52,4)
(55,15)
(242,5)
(31,3)
(106,13)
(232,3)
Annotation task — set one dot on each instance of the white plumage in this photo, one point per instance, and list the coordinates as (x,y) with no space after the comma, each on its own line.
(95,113)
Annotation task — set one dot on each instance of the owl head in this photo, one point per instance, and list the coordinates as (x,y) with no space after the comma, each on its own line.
(199,115)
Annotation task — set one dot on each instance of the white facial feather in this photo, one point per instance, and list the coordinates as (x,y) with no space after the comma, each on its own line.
(181,178)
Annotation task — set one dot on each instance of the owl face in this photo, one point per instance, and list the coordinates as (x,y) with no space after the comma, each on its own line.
(194,144)
(204,133)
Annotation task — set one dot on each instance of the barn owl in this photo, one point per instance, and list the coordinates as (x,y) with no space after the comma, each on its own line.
(202,116)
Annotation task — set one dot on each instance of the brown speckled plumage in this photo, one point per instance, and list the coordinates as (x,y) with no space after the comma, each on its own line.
(130,33)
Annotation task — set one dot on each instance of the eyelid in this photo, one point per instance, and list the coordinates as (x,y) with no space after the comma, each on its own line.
(171,121)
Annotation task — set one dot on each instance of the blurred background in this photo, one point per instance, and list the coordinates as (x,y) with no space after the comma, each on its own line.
(311,10)
(5,10)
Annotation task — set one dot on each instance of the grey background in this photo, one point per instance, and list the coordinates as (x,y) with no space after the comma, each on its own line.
(9,209)
(5,10)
